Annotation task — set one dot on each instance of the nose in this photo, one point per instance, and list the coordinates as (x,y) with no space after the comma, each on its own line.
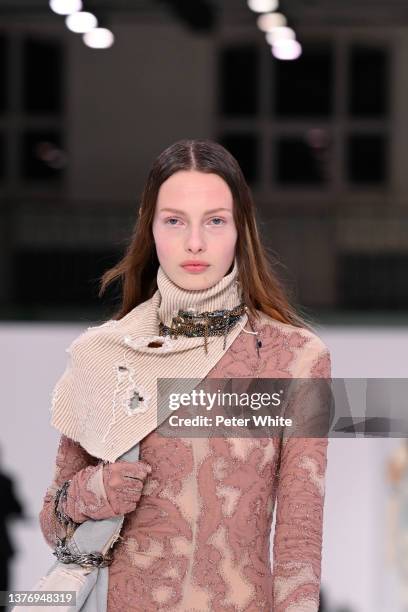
(195,240)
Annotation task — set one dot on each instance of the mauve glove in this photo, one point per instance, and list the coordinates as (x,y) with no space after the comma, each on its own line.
(123,481)
(105,490)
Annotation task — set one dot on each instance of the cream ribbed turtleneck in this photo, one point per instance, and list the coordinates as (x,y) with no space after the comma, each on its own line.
(224,294)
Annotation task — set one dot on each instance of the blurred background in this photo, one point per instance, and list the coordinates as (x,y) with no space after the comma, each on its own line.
(311,97)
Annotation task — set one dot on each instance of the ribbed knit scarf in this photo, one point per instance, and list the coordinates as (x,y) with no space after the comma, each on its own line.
(96,402)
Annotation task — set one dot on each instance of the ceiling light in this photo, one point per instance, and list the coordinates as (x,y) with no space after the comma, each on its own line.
(99,38)
(279,34)
(286,49)
(263,6)
(65,7)
(268,21)
(81,22)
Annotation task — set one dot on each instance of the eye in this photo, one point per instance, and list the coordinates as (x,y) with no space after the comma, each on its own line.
(219,218)
(171,219)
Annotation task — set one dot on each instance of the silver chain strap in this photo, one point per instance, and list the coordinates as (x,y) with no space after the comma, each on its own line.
(96,559)
(62,551)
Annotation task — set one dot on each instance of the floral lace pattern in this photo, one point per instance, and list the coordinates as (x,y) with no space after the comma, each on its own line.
(199,538)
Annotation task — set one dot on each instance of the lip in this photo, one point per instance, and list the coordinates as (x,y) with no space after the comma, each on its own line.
(194,266)
(194,262)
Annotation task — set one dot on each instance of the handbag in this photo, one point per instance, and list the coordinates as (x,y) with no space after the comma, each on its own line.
(88,578)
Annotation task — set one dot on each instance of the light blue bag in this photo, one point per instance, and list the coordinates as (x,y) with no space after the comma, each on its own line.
(89,583)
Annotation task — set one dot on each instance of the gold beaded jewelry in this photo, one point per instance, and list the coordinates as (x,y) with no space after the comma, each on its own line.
(215,323)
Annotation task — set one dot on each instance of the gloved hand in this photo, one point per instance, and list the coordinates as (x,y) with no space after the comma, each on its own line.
(105,490)
(123,481)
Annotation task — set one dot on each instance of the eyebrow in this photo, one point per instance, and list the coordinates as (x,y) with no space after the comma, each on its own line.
(176,210)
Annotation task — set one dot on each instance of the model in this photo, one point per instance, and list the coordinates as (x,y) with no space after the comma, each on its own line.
(199,301)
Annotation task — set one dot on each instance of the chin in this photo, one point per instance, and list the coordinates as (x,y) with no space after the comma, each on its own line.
(194,281)
(197,283)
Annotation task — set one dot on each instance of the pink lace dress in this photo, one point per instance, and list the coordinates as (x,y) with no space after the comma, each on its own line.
(199,538)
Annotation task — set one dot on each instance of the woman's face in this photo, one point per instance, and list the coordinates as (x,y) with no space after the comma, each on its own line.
(194,221)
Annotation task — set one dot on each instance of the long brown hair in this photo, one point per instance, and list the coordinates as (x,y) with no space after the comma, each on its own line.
(137,270)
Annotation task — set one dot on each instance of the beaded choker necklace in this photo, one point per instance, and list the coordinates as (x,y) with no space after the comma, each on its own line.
(215,323)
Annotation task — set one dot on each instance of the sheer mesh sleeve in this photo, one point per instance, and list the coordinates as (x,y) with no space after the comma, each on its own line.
(86,495)
(297,547)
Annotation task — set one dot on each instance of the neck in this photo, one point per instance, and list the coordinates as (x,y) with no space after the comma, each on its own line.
(224,294)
